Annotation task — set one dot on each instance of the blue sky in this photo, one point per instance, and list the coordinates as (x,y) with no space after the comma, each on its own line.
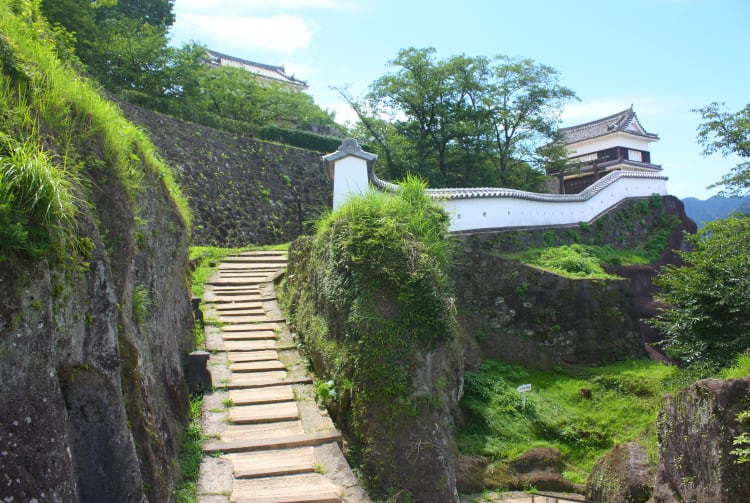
(665,57)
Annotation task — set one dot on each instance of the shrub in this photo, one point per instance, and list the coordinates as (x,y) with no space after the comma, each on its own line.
(38,205)
(367,294)
(299,138)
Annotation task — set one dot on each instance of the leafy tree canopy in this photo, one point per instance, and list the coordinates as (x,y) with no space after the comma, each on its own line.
(708,321)
(462,121)
(124,46)
(728,133)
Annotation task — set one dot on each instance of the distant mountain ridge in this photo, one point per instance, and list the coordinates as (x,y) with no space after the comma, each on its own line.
(702,211)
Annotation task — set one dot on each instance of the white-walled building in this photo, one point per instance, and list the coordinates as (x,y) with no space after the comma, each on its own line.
(614,143)
(265,72)
(352,172)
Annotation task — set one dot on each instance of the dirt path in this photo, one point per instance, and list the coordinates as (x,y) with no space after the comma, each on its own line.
(270,442)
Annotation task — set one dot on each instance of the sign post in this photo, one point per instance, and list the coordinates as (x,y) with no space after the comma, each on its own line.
(523,389)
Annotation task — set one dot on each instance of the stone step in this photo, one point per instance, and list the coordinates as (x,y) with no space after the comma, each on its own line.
(234,289)
(256,396)
(250,380)
(248,318)
(238,281)
(249,335)
(264,413)
(233,310)
(273,259)
(253,356)
(248,465)
(306,488)
(268,259)
(210,298)
(255,381)
(262,366)
(245,345)
(279,262)
(234,305)
(274,442)
(222,296)
(243,271)
(257,433)
(253,265)
(251,327)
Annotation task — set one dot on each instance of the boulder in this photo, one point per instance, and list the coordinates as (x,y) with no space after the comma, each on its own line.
(539,467)
(470,474)
(696,428)
(621,476)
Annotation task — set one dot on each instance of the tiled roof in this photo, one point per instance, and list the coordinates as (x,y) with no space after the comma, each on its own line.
(350,147)
(270,72)
(496,192)
(624,122)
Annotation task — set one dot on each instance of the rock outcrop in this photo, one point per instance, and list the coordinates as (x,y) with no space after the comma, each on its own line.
(696,428)
(540,467)
(95,314)
(93,385)
(623,475)
(530,317)
(535,318)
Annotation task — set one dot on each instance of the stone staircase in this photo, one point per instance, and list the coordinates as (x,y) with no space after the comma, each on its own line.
(270,442)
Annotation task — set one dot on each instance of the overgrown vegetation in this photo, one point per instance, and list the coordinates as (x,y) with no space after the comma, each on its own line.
(191,454)
(55,129)
(464,121)
(365,294)
(586,255)
(38,203)
(624,402)
(124,46)
(707,322)
(205,259)
(576,261)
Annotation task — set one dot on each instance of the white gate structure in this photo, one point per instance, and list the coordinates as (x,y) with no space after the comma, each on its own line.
(351,171)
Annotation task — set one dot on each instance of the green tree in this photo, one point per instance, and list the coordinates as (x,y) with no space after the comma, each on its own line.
(462,121)
(707,322)
(728,133)
(131,55)
(153,12)
(123,44)
(526,100)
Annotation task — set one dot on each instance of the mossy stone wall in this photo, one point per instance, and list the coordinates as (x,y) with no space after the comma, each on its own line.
(241,191)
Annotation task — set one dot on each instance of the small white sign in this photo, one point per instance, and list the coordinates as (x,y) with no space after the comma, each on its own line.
(523,389)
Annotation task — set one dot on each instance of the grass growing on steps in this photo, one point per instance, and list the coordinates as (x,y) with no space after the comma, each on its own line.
(204,256)
(624,401)
(191,454)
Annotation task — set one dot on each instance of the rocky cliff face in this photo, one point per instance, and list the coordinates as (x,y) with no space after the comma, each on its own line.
(91,355)
(527,316)
(242,191)
(369,299)
(696,428)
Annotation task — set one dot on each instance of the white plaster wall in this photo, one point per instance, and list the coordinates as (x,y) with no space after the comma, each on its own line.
(349,178)
(609,141)
(498,212)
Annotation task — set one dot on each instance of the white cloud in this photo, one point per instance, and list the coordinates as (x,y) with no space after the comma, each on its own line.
(282,34)
(344,113)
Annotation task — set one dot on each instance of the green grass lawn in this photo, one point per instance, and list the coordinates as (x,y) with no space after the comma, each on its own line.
(580,261)
(624,402)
